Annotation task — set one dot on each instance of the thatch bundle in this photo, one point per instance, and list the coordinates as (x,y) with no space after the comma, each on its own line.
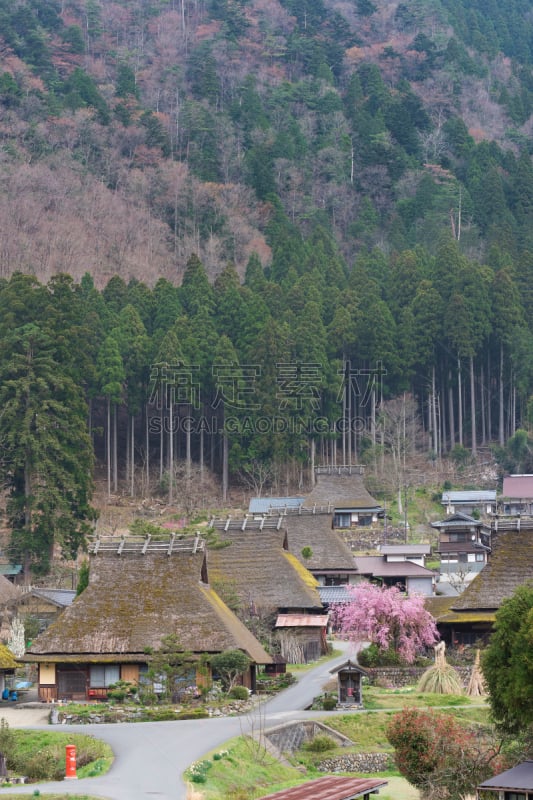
(441,678)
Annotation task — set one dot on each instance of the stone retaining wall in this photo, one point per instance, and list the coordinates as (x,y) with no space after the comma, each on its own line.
(357,762)
(290,736)
(398,677)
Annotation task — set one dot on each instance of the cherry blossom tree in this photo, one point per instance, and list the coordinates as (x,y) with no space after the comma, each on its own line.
(387,618)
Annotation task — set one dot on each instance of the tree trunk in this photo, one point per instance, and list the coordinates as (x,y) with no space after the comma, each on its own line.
(115,450)
(108,447)
(171,456)
(501,430)
(451,412)
(132,456)
(473,407)
(483,420)
(147,445)
(460,401)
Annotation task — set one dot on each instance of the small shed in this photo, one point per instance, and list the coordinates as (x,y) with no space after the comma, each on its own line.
(349,688)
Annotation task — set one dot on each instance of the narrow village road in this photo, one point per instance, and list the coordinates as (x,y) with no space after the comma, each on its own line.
(152,756)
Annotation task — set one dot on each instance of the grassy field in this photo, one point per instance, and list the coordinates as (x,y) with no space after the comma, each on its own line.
(245,771)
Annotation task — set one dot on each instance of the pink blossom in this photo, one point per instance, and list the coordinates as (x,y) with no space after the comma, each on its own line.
(387,618)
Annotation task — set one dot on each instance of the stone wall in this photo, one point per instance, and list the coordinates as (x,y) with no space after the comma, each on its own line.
(398,677)
(291,736)
(357,762)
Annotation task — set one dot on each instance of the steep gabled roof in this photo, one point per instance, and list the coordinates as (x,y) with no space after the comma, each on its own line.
(135,599)
(341,487)
(262,571)
(510,565)
(329,550)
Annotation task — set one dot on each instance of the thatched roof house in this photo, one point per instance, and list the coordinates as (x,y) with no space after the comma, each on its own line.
(471,615)
(320,548)
(342,490)
(137,594)
(262,572)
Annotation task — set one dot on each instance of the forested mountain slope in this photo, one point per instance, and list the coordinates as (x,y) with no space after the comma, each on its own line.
(137,132)
(288,232)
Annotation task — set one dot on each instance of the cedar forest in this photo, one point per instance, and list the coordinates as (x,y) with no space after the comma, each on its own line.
(236,232)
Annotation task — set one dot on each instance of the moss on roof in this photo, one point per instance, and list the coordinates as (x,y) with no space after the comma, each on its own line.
(260,569)
(342,491)
(134,600)
(329,550)
(510,565)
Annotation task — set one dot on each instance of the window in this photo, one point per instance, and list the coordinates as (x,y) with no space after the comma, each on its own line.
(104,675)
(342,520)
(480,556)
(515,796)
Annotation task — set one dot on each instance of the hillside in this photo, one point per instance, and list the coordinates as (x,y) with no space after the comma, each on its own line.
(137,133)
(239,239)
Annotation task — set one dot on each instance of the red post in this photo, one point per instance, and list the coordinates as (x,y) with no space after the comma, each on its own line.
(70,762)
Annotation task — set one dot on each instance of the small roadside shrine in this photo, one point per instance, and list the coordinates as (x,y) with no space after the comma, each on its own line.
(349,690)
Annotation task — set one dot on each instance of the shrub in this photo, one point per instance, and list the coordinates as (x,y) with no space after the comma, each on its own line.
(329,703)
(373,656)
(197,772)
(320,743)
(239,693)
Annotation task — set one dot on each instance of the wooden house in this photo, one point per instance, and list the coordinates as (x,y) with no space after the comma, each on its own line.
(480,501)
(517,496)
(44,604)
(253,570)
(320,548)
(341,489)
(470,616)
(464,545)
(513,784)
(139,592)
(395,568)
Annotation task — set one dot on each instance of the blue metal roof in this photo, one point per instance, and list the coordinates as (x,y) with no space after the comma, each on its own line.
(263,505)
(473,496)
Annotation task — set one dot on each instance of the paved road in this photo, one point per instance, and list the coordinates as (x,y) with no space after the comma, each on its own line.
(151,756)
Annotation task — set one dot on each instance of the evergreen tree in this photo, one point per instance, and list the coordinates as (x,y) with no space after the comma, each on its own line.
(46,454)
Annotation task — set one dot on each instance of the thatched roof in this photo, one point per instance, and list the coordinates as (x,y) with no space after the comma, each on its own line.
(341,488)
(441,610)
(510,565)
(329,550)
(134,600)
(261,571)
(8,591)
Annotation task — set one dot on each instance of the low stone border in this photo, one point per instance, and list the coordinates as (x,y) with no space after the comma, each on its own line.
(357,762)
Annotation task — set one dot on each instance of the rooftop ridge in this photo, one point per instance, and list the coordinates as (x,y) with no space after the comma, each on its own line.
(142,545)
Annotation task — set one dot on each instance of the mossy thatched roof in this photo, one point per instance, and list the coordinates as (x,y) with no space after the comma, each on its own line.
(341,490)
(262,571)
(510,565)
(329,550)
(134,600)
